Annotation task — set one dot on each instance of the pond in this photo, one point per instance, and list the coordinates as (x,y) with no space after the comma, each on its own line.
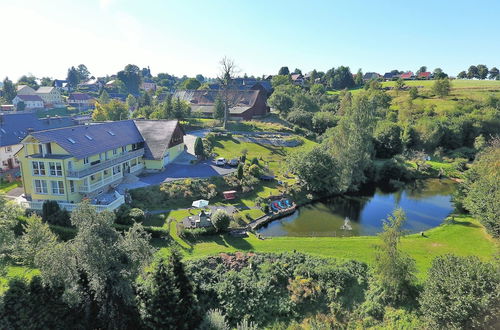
(426,204)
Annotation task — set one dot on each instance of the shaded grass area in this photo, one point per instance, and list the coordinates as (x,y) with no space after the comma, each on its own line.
(16,272)
(462,236)
(8,186)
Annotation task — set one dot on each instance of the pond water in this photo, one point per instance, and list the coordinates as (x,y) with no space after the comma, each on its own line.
(426,204)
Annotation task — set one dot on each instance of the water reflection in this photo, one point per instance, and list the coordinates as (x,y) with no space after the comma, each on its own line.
(426,204)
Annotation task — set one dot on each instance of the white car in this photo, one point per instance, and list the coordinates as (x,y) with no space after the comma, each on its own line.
(220,161)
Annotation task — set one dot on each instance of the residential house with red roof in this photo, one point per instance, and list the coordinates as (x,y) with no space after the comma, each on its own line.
(424,75)
(408,75)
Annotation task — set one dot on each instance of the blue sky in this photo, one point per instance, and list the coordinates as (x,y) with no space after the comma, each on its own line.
(190,37)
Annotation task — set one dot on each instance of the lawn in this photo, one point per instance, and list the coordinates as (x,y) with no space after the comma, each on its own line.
(8,186)
(462,236)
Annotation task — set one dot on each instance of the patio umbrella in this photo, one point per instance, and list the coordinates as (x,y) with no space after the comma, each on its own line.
(200,203)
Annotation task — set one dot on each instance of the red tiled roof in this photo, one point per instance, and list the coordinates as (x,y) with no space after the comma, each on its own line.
(424,74)
(408,74)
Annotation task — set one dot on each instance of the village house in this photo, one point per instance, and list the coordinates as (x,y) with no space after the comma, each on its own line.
(297,79)
(31,102)
(15,127)
(148,85)
(370,76)
(408,76)
(424,75)
(75,163)
(81,101)
(51,96)
(246,104)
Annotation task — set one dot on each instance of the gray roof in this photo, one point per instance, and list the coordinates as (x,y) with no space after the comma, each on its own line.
(104,136)
(204,100)
(45,89)
(14,127)
(157,135)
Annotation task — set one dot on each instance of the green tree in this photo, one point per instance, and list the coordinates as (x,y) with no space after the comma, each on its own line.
(462,75)
(83,73)
(8,220)
(480,142)
(72,77)
(239,172)
(358,80)
(21,106)
(281,101)
(350,142)
(221,220)
(400,84)
(46,81)
(283,71)
(387,138)
(131,102)
(422,69)
(191,83)
(473,72)
(482,188)
(441,87)
(494,73)
(316,169)
(318,89)
(36,237)
(131,77)
(394,269)
(439,74)
(218,109)
(198,147)
(280,80)
(321,121)
(114,110)
(461,293)
(97,269)
(482,71)
(226,81)
(29,80)
(8,90)
(104,97)
(413,92)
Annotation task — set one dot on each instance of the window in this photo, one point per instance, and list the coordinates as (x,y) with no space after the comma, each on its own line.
(8,149)
(88,137)
(86,160)
(106,172)
(111,133)
(38,168)
(55,169)
(116,169)
(115,151)
(124,150)
(41,187)
(40,149)
(72,186)
(71,140)
(57,187)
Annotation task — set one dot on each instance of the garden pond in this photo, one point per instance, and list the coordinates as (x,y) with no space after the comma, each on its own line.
(426,204)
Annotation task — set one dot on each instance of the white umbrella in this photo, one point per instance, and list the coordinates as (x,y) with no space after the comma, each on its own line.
(200,203)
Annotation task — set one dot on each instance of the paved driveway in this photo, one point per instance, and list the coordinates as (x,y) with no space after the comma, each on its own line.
(176,171)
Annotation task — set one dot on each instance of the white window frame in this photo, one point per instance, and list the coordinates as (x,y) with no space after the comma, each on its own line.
(41,188)
(85,160)
(39,169)
(55,169)
(57,187)
(72,186)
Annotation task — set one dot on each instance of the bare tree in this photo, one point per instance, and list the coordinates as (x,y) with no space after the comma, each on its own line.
(227,73)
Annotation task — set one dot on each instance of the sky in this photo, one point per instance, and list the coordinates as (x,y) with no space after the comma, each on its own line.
(188,37)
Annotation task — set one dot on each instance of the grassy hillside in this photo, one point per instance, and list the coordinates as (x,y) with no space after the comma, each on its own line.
(463,236)
(461,90)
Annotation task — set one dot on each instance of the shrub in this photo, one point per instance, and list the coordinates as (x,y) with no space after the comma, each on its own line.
(64,233)
(137,215)
(221,220)
(54,215)
(254,170)
(461,292)
(254,161)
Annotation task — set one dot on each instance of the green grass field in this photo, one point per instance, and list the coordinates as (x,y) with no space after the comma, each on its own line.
(8,186)
(463,236)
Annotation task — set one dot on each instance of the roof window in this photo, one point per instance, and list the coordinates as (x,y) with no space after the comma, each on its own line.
(71,140)
(89,137)
(111,133)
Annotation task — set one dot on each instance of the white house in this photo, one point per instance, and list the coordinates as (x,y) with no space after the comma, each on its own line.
(30,101)
(50,96)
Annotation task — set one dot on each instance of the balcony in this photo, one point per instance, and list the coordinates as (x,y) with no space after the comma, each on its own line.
(112,205)
(105,164)
(100,184)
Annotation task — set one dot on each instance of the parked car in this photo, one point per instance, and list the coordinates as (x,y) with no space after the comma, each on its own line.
(234,162)
(220,161)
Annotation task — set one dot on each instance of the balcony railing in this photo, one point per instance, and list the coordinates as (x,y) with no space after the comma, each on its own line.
(99,184)
(37,205)
(105,164)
